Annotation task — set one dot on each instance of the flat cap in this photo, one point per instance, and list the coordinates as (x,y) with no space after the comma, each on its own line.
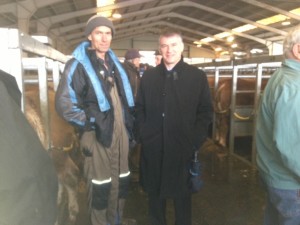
(132,54)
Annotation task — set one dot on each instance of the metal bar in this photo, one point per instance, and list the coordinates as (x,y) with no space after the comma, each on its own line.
(43,93)
(55,75)
(233,103)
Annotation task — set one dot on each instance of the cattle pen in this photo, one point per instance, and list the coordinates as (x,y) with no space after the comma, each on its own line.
(246,79)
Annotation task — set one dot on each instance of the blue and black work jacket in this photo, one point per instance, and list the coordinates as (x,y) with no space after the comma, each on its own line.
(83,98)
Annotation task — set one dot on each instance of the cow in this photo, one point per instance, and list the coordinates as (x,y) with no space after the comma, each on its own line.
(63,138)
(222,104)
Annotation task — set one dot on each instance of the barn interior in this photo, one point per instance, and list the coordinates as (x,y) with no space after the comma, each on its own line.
(237,41)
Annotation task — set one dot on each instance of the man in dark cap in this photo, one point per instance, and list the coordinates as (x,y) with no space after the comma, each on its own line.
(131,65)
(94,95)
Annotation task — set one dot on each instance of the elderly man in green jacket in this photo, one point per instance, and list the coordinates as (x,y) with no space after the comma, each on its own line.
(278,138)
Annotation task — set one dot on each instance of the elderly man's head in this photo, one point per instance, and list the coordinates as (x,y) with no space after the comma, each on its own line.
(291,44)
(133,56)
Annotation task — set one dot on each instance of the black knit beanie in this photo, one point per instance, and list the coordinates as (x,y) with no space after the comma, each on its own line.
(97,21)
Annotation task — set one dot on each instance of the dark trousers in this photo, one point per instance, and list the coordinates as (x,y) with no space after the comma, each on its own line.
(157,210)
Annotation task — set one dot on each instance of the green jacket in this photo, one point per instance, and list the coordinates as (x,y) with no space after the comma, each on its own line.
(278,128)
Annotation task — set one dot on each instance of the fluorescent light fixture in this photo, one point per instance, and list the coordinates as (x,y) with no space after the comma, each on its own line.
(273,19)
(256,51)
(223,35)
(102,3)
(286,23)
(208,39)
(239,53)
(244,28)
(296,11)
(230,38)
(116,15)
(224,53)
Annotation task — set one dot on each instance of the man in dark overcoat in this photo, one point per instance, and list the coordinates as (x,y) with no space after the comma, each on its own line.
(174,111)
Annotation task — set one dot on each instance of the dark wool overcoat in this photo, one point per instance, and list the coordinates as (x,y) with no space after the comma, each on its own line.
(174,111)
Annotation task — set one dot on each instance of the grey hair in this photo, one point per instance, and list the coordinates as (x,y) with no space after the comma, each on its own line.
(168,32)
(292,38)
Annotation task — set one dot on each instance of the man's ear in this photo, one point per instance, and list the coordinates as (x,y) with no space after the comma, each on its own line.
(182,47)
(90,37)
(296,51)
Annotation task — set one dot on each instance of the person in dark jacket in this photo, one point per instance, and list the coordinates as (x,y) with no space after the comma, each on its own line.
(28,180)
(174,111)
(94,94)
(131,66)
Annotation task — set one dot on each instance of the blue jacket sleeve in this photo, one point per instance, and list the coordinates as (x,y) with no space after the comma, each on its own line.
(67,100)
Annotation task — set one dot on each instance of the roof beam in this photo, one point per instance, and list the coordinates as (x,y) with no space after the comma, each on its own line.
(262,41)
(272,8)
(173,5)
(176,15)
(233,17)
(59,18)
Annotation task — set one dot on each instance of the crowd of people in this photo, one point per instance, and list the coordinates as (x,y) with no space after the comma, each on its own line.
(161,119)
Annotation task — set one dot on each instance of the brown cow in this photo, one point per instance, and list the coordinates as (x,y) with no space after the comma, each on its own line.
(62,136)
(222,104)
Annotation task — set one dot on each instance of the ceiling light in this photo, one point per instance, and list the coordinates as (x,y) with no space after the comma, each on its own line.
(116,15)
(103,3)
(234,45)
(239,53)
(244,28)
(218,49)
(286,23)
(208,39)
(106,14)
(224,53)
(256,51)
(223,34)
(230,39)
(296,11)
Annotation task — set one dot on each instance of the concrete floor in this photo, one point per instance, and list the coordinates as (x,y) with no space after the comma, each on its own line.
(231,196)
